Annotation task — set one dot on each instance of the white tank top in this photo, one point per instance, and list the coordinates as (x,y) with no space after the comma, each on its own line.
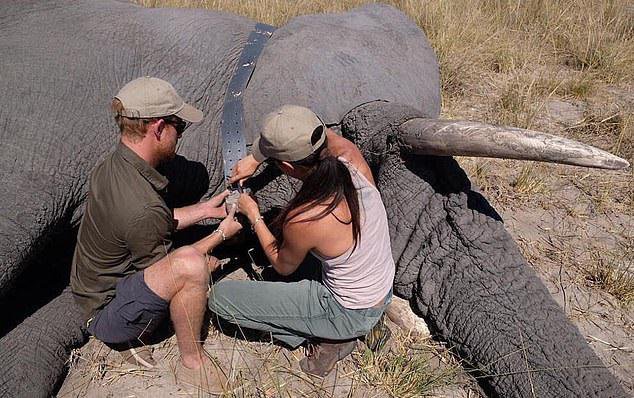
(362,278)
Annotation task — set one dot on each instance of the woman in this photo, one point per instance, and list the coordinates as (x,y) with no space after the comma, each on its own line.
(339,217)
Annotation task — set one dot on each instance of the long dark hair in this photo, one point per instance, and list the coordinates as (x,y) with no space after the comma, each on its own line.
(327,183)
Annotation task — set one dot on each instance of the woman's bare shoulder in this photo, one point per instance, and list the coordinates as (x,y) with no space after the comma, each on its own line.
(341,147)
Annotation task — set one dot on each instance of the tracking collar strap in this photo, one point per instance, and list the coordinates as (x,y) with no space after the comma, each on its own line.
(232,123)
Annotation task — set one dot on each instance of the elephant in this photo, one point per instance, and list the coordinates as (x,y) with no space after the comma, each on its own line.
(371,75)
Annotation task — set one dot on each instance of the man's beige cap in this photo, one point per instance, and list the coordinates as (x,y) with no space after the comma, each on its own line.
(149,97)
(286,134)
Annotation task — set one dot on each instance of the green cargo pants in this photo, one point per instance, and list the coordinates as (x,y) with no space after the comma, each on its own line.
(291,311)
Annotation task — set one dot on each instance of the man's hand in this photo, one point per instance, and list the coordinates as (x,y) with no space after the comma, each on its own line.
(230,226)
(243,169)
(189,215)
(214,207)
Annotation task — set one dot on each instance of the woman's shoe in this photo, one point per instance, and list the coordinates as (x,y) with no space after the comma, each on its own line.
(322,357)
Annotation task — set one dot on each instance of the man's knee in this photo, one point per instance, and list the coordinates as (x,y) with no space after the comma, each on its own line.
(190,264)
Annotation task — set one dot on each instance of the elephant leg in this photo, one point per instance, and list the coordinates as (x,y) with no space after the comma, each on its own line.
(34,354)
(36,209)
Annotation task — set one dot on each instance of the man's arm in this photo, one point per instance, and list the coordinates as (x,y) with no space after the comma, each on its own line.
(149,235)
(190,215)
(227,228)
(208,243)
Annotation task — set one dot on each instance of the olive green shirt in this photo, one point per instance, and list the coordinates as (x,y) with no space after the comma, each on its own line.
(126,227)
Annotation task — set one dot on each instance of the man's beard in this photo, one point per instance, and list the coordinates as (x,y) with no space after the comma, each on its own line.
(167,155)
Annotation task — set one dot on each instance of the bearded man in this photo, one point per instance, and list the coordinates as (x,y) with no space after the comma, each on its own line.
(125,276)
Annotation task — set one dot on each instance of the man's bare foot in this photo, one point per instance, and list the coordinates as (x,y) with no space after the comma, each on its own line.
(209,377)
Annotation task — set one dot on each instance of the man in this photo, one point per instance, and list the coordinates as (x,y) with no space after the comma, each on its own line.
(124,276)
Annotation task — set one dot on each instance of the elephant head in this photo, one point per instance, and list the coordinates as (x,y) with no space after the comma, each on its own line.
(372,75)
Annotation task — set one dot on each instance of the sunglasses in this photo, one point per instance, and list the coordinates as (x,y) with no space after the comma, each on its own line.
(179,124)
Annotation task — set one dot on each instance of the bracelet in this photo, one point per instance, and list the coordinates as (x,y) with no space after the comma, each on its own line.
(222,233)
(257,220)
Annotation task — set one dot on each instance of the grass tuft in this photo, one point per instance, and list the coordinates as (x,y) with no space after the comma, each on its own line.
(615,130)
(612,274)
(575,85)
(405,370)
(529,182)
(518,103)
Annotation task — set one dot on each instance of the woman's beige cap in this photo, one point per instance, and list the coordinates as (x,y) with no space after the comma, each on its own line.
(148,97)
(286,134)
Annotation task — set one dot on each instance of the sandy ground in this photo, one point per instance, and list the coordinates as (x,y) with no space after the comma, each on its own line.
(561,246)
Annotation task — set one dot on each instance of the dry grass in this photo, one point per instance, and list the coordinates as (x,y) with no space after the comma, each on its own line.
(529,182)
(603,262)
(614,127)
(612,272)
(578,86)
(407,368)
(518,102)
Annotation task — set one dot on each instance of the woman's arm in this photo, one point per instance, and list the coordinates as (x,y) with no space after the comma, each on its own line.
(297,238)
(244,169)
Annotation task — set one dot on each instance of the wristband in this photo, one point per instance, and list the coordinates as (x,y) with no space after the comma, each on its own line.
(222,233)
(257,220)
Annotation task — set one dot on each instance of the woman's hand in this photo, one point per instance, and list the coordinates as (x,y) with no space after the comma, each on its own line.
(248,206)
(230,226)
(244,169)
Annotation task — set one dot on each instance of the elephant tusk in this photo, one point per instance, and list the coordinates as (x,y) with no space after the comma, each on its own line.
(463,138)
